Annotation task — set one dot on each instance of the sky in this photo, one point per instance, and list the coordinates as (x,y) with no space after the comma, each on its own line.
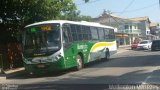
(124,8)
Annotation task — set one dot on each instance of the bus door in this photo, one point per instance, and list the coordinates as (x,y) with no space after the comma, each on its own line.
(68,49)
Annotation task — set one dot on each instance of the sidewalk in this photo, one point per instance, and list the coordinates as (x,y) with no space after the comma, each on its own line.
(123,48)
(2,77)
(11,73)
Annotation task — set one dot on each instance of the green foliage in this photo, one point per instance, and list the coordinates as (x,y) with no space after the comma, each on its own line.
(75,16)
(15,14)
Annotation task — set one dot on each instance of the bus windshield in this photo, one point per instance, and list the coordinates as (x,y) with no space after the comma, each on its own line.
(41,40)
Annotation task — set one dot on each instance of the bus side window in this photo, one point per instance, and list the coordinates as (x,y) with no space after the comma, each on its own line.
(94,33)
(79,32)
(86,33)
(66,34)
(111,34)
(106,32)
(101,33)
(74,32)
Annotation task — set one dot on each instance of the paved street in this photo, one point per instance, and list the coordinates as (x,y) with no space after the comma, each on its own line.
(126,67)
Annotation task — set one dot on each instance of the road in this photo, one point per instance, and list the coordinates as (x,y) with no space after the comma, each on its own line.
(126,67)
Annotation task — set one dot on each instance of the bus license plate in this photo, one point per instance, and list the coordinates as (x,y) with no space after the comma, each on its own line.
(41,66)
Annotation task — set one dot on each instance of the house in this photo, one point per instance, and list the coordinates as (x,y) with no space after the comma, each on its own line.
(155,31)
(144,26)
(127,30)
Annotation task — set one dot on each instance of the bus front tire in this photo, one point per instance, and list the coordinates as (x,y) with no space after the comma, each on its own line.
(79,62)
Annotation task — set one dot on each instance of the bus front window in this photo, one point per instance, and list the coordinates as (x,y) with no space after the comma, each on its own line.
(41,40)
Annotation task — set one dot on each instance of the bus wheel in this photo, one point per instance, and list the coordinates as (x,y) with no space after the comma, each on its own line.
(79,62)
(107,55)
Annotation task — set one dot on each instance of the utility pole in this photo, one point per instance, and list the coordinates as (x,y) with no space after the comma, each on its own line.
(109,14)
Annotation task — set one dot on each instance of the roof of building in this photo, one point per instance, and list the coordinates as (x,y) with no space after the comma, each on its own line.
(141,19)
(153,24)
(113,20)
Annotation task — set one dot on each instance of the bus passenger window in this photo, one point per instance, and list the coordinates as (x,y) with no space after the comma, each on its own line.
(101,33)
(106,32)
(67,34)
(74,32)
(65,37)
(94,33)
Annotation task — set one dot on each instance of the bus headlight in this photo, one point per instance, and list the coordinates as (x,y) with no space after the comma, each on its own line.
(54,58)
(58,57)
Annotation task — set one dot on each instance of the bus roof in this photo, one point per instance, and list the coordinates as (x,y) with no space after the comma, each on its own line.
(71,22)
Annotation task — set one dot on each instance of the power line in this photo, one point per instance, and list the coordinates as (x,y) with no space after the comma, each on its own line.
(138,9)
(124,11)
(127,7)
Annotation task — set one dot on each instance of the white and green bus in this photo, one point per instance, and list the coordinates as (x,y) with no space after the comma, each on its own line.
(60,44)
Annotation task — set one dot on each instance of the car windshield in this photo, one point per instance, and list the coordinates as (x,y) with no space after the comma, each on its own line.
(41,39)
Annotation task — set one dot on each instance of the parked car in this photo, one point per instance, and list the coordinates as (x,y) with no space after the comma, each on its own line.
(134,45)
(155,45)
(145,44)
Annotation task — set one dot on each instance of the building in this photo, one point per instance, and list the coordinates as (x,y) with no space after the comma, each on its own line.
(127,30)
(144,27)
(155,31)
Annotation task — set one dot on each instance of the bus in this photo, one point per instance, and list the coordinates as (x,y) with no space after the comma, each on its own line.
(60,44)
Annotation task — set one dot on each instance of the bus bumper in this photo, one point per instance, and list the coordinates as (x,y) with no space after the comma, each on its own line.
(43,68)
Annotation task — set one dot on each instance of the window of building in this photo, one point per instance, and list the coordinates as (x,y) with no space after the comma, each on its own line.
(126,27)
(148,32)
(130,27)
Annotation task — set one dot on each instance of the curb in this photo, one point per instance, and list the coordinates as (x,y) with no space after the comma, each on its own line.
(12,73)
(123,49)
(2,77)
(124,46)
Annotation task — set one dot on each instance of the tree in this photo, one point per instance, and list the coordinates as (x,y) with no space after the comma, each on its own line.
(75,16)
(15,14)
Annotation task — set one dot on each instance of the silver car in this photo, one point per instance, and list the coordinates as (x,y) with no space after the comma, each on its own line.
(145,44)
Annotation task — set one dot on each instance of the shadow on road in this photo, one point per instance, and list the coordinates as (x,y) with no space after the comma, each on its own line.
(97,82)
(128,61)
(131,61)
(25,75)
